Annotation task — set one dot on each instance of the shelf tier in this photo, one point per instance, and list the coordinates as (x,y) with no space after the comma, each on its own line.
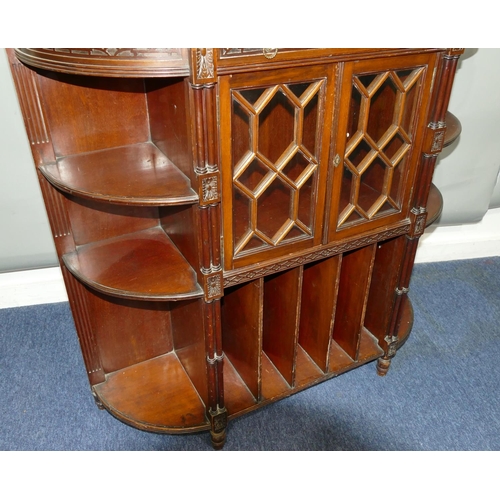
(139,174)
(144,265)
(155,395)
(453,129)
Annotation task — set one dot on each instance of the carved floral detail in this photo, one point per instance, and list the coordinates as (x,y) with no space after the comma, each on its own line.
(209,186)
(437,142)
(205,63)
(214,286)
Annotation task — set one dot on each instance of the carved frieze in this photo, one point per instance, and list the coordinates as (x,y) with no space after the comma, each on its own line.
(323,253)
(170,53)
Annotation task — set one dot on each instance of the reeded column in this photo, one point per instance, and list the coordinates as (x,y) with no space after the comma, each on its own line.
(205,154)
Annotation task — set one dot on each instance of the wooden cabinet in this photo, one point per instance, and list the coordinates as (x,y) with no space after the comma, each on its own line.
(233,225)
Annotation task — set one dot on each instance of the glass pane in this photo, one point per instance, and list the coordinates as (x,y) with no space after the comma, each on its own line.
(310,125)
(382,115)
(295,167)
(305,202)
(241,215)
(273,208)
(276,127)
(253,175)
(382,110)
(252,95)
(241,132)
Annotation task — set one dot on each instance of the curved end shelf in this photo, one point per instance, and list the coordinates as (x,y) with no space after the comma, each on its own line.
(131,63)
(155,395)
(145,265)
(406,322)
(434,205)
(453,129)
(138,174)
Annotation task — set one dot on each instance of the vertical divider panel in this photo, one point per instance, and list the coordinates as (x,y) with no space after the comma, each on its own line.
(319,296)
(385,279)
(189,342)
(242,332)
(282,298)
(355,276)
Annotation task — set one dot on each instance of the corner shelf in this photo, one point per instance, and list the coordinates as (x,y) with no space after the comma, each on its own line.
(435,200)
(138,174)
(155,395)
(144,265)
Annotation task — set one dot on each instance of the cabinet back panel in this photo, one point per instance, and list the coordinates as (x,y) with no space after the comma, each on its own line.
(319,295)
(189,342)
(94,221)
(181,224)
(169,115)
(128,331)
(242,331)
(385,278)
(282,294)
(355,275)
(88,113)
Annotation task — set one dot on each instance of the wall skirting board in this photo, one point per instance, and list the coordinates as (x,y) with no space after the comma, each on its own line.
(440,243)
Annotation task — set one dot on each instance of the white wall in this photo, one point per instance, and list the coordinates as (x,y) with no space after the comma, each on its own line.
(25,238)
(467,171)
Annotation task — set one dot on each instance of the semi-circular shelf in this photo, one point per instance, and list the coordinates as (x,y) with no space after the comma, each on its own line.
(109,62)
(406,323)
(145,265)
(155,395)
(434,205)
(138,174)
(453,129)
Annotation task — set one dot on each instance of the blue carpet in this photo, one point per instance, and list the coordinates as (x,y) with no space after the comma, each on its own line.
(441,392)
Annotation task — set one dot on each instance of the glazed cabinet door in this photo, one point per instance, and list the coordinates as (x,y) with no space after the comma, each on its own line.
(377,148)
(275,131)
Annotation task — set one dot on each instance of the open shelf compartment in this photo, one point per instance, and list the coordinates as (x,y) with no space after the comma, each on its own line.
(155,395)
(280,334)
(136,174)
(143,265)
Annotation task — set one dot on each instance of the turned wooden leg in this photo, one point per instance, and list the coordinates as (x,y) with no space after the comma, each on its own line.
(218,439)
(218,419)
(383,365)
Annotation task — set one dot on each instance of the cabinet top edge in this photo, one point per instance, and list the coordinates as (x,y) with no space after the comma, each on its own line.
(108,62)
(177,62)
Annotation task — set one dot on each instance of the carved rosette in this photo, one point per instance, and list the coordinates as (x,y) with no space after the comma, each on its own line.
(209,188)
(213,286)
(434,140)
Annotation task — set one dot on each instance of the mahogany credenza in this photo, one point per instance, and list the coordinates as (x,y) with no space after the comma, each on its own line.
(234,225)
